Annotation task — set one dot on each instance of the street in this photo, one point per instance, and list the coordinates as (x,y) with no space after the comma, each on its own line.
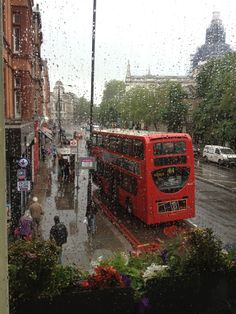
(215,208)
(215,200)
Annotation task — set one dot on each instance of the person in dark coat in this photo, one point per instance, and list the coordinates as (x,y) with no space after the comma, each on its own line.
(59,234)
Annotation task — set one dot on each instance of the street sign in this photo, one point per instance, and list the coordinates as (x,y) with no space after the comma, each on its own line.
(73,143)
(23,162)
(87,163)
(64,151)
(21,174)
(23,186)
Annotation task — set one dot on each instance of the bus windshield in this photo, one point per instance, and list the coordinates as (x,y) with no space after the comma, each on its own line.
(171,179)
(167,148)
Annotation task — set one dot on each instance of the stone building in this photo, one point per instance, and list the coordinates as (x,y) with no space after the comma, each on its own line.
(62,105)
(149,80)
(214,46)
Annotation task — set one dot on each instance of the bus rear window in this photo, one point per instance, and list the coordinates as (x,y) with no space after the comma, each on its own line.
(169,148)
(172,179)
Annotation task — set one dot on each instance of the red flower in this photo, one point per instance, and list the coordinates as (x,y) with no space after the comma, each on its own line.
(84,284)
(105,277)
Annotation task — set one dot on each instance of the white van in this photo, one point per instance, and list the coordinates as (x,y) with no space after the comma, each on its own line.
(219,154)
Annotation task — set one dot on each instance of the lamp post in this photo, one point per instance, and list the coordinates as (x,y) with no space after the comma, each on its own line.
(59,112)
(89,209)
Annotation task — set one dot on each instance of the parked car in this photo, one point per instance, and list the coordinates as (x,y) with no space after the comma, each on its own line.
(219,154)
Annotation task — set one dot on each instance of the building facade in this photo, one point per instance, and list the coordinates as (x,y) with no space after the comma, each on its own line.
(62,105)
(23,87)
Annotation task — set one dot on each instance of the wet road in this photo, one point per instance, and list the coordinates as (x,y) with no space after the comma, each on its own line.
(216,200)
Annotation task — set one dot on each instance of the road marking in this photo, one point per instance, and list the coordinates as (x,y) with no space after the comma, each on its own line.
(233,182)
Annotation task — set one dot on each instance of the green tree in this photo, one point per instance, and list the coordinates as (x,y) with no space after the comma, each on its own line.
(173,110)
(137,107)
(214,121)
(82,110)
(109,114)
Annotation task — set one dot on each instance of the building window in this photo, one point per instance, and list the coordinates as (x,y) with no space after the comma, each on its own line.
(17,97)
(16,32)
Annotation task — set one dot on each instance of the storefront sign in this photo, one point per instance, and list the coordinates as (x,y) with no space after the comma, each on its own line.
(87,163)
(21,174)
(23,186)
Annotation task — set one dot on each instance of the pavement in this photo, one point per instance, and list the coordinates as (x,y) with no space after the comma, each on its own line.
(58,198)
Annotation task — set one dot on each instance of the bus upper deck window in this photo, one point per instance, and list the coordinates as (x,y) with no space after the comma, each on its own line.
(94,139)
(105,142)
(99,140)
(138,149)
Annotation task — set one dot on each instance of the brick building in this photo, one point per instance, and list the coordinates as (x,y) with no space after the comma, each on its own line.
(23,90)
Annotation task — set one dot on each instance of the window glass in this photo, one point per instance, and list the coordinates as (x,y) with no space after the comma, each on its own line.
(150,80)
(167,148)
(171,179)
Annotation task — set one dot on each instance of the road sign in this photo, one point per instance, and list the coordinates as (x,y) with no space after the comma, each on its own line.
(21,174)
(87,163)
(73,143)
(23,186)
(23,162)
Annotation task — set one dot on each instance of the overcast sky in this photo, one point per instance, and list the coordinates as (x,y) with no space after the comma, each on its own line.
(161,35)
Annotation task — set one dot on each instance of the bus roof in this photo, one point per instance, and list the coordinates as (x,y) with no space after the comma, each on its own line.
(143,133)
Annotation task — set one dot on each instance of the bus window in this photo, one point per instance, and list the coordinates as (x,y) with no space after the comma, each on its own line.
(119,145)
(94,139)
(99,140)
(171,179)
(125,147)
(112,144)
(105,142)
(138,149)
(168,148)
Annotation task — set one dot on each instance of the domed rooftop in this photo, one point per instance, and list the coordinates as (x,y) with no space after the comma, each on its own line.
(215,45)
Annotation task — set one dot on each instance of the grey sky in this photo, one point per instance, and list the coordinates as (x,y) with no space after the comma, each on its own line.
(150,33)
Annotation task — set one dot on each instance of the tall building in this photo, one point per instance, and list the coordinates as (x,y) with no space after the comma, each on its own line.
(23,91)
(215,45)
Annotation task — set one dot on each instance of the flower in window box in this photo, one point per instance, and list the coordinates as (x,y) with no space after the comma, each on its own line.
(154,271)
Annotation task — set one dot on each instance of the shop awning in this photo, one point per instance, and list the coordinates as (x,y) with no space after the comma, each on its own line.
(47,132)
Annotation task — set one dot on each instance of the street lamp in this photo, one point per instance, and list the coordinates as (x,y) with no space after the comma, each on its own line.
(89,209)
(59,112)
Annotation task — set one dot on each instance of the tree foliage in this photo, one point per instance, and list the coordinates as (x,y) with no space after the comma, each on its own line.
(82,110)
(113,94)
(143,105)
(173,110)
(214,121)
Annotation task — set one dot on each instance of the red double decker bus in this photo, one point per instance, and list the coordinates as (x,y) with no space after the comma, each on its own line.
(151,175)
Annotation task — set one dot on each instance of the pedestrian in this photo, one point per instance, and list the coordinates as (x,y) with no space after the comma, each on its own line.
(36,212)
(66,171)
(26,226)
(43,152)
(61,163)
(59,234)
(91,220)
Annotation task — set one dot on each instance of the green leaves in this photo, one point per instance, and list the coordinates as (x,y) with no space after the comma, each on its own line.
(215,119)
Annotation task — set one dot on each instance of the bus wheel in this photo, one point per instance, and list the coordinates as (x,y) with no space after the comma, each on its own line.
(128,207)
